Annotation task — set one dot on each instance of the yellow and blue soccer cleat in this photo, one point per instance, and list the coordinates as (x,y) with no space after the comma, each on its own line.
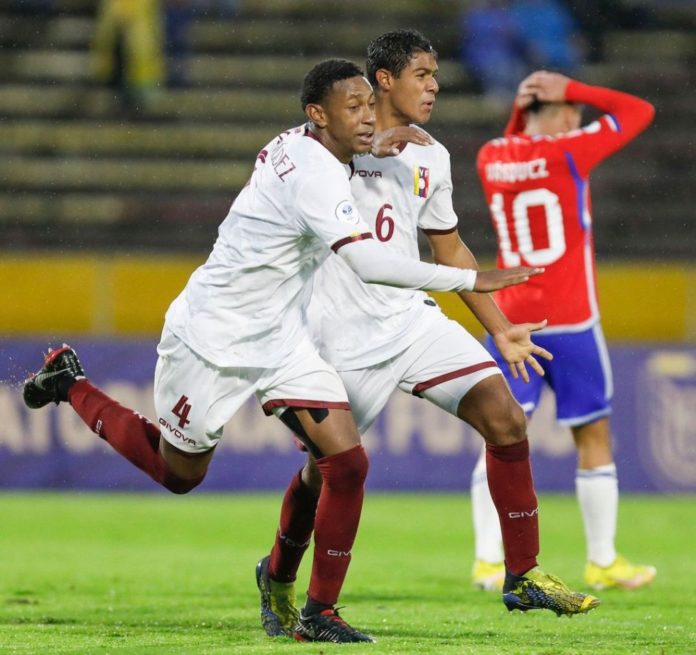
(620,574)
(488,576)
(279,615)
(538,590)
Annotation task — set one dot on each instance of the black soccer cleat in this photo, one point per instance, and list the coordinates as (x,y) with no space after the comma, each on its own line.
(327,626)
(278,612)
(60,370)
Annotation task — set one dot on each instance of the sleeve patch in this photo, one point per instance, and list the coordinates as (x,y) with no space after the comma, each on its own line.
(346,213)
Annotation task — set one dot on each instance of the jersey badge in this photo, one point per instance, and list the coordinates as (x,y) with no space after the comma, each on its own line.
(421,181)
(346,213)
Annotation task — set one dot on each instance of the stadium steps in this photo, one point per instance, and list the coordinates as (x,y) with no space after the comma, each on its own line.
(92,138)
(279,108)
(243,35)
(72,158)
(125,174)
(211,71)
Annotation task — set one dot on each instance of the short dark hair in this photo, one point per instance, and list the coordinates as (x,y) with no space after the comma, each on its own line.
(393,50)
(538,106)
(320,80)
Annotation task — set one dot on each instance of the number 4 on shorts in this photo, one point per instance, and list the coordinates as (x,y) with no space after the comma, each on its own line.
(181,411)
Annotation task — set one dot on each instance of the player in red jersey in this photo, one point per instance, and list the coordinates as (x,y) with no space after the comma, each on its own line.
(536,182)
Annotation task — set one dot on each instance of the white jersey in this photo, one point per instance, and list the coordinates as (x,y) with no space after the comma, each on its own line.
(356,324)
(246,306)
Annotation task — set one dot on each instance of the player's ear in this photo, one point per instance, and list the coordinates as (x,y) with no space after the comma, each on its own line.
(316,114)
(384,79)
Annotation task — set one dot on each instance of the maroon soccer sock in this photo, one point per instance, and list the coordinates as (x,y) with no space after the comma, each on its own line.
(127,432)
(512,490)
(294,531)
(337,519)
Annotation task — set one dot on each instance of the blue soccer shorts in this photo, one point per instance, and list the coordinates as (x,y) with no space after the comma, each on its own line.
(579,375)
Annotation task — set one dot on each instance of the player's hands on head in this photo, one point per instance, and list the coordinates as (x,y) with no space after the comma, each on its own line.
(388,143)
(499,279)
(518,350)
(544,86)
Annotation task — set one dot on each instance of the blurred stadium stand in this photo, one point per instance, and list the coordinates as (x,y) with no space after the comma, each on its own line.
(77,174)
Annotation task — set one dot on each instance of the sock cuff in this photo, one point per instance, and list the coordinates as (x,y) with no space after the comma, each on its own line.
(81,385)
(604,471)
(513,453)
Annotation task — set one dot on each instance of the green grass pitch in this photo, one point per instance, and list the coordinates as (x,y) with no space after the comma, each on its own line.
(142,574)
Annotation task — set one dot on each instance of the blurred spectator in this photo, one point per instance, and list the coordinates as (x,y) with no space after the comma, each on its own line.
(128,50)
(493,50)
(179,14)
(502,40)
(549,32)
(178,17)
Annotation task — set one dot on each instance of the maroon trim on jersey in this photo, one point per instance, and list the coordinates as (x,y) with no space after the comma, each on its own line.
(311,134)
(424,386)
(401,146)
(268,406)
(447,231)
(355,237)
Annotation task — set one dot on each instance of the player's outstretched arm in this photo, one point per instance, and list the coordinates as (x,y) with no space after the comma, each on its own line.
(374,263)
(487,281)
(388,143)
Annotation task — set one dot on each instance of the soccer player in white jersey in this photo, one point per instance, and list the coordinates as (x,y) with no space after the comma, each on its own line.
(536,180)
(238,329)
(381,338)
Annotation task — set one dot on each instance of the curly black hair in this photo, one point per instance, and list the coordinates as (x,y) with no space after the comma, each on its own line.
(320,80)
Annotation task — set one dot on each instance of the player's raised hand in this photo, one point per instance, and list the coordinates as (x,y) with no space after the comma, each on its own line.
(518,349)
(387,143)
(544,86)
(501,278)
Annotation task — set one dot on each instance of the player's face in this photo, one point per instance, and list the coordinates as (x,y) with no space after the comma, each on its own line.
(412,94)
(349,117)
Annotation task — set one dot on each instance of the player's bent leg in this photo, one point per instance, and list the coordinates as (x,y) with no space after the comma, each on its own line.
(185,471)
(62,379)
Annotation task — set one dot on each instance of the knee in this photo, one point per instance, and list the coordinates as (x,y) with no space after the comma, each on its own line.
(179,485)
(345,471)
(508,427)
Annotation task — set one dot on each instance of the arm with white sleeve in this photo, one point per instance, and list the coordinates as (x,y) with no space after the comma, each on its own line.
(374,263)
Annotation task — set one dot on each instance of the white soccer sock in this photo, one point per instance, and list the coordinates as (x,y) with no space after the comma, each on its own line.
(488,539)
(598,494)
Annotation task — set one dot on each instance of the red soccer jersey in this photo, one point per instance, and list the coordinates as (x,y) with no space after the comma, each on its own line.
(537,188)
